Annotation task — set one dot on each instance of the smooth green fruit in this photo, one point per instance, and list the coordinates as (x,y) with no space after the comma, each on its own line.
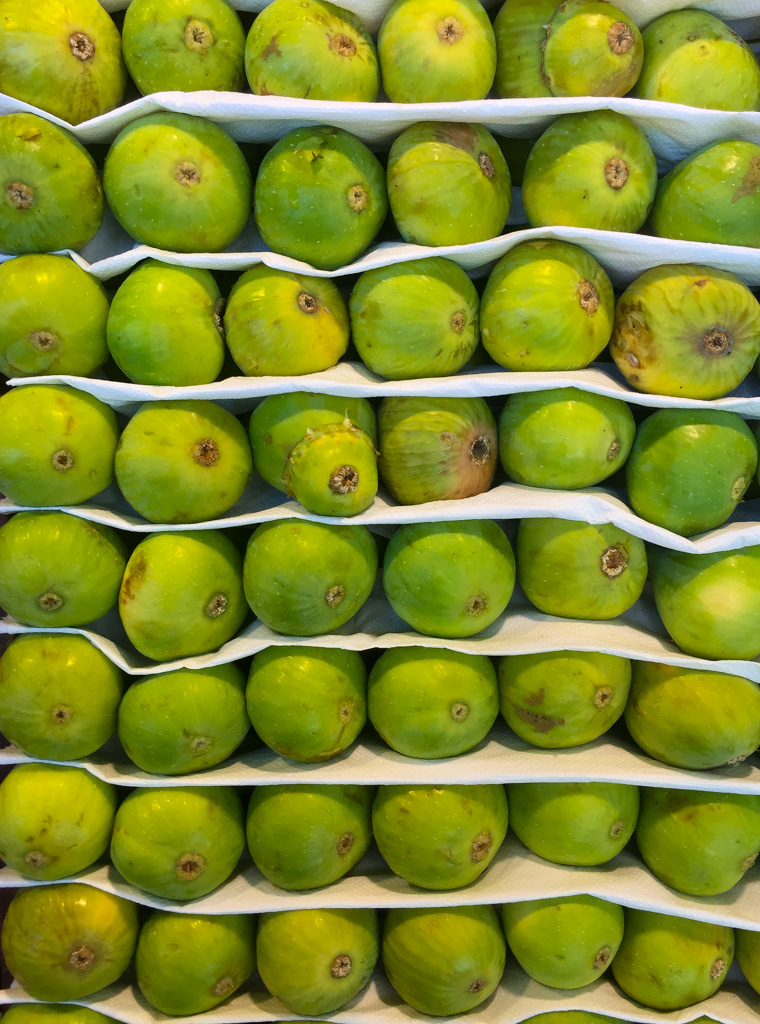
(443,960)
(547,305)
(564,438)
(66,59)
(184,721)
(44,709)
(564,698)
(687,331)
(439,838)
(692,57)
(580,571)
(564,942)
(46,1013)
(303,579)
(165,325)
(436,52)
(436,449)
(709,604)
(178,843)
(311,49)
(182,594)
(320,197)
(748,956)
(691,718)
(67,941)
(415,319)
(580,1017)
(54,317)
(178,182)
(690,468)
(305,836)
(449,579)
(188,963)
(667,962)
(590,170)
(280,421)
(307,703)
(57,570)
(333,471)
(591,49)
(55,820)
(432,703)
(712,196)
(315,961)
(520,28)
(52,196)
(698,843)
(283,324)
(57,445)
(448,184)
(579,823)
(183,45)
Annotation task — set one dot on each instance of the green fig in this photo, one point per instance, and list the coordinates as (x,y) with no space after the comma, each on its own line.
(591,49)
(50,1013)
(563,698)
(748,956)
(333,471)
(520,28)
(579,1017)
(54,317)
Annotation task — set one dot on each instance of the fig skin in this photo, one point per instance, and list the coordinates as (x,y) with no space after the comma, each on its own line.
(333,471)
(51,1013)
(311,49)
(520,28)
(748,956)
(54,317)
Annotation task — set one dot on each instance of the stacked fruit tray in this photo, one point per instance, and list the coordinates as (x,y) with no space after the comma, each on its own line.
(383,576)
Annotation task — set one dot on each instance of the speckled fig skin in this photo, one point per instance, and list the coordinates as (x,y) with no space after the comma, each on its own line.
(449,579)
(547,305)
(66,59)
(54,317)
(58,445)
(431,703)
(307,703)
(50,1013)
(440,837)
(189,963)
(280,323)
(315,961)
(520,28)
(443,960)
(178,843)
(698,843)
(435,449)
(667,963)
(44,710)
(690,718)
(415,319)
(440,52)
(686,331)
(448,184)
(712,196)
(577,823)
(280,421)
(311,49)
(333,471)
(320,197)
(690,468)
(184,721)
(58,570)
(55,820)
(564,438)
(182,594)
(35,217)
(693,57)
(68,941)
(563,698)
(590,170)
(183,45)
(178,182)
(563,942)
(305,836)
(591,49)
(157,313)
(709,604)
(748,956)
(580,571)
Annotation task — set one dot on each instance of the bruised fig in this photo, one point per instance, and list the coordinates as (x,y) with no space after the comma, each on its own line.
(333,471)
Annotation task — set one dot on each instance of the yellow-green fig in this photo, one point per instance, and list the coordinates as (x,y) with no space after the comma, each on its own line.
(520,28)
(333,471)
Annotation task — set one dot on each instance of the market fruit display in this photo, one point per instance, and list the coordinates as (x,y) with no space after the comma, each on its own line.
(312,49)
(333,471)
